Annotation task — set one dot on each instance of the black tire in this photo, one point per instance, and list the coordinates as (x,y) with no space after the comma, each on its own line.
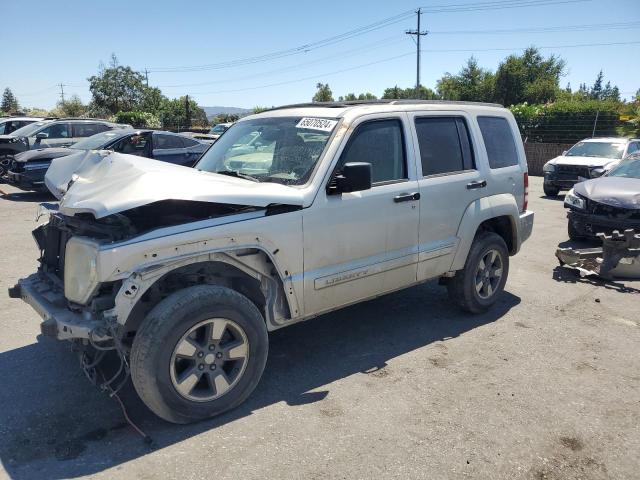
(163,329)
(573,232)
(462,287)
(550,191)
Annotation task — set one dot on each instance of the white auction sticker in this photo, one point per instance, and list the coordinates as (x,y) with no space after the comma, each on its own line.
(323,124)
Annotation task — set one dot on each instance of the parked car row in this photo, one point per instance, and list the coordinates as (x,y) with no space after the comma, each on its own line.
(27,152)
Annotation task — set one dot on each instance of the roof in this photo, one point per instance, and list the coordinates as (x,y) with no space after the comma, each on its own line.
(609,139)
(35,119)
(354,108)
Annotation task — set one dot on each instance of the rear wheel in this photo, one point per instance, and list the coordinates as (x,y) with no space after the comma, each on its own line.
(479,284)
(550,191)
(200,352)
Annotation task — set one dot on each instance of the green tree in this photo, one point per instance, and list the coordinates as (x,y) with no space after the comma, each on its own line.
(117,88)
(408,93)
(73,107)
(323,94)
(9,101)
(528,78)
(174,114)
(596,90)
(350,97)
(472,83)
(226,118)
(152,101)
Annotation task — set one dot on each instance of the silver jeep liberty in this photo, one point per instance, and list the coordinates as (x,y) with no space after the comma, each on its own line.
(292,213)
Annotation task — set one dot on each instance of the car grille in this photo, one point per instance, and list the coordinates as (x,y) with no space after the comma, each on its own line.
(571,172)
(16,167)
(612,213)
(53,244)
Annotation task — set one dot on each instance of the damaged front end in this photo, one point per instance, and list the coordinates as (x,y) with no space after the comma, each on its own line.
(619,256)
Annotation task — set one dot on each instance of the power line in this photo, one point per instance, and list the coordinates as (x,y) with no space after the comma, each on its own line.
(465,7)
(559,28)
(61,92)
(401,56)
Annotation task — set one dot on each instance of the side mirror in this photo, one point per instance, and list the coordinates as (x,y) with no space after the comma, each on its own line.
(354,177)
(564,153)
(42,136)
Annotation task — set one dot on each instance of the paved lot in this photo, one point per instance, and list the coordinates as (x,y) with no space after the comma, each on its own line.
(547,385)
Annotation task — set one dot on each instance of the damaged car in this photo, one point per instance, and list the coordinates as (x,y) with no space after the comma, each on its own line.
(183,272)
(605,204)
(28,169)
(589,158)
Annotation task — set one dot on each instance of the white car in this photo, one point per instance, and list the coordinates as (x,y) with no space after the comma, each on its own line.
(184,271)
(589,158)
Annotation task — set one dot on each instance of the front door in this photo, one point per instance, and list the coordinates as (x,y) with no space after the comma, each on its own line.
(361,244)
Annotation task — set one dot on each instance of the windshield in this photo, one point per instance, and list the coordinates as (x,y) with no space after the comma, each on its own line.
(219,129)
(597,149)
(629,168)
(277,149)
(97,141)
(29,130)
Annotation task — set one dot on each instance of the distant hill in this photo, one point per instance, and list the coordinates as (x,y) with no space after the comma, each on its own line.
(213,111)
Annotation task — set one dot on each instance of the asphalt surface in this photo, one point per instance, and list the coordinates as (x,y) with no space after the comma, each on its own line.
(545,386)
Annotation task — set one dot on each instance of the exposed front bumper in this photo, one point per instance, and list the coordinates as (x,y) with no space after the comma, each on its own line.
(526,225)
(589,225)
(46,297)
(28,180)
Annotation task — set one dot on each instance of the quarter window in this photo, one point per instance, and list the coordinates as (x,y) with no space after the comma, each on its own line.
(380,143)
(164,142)
(499,142)
(444,145)
(633,147)
(88,129)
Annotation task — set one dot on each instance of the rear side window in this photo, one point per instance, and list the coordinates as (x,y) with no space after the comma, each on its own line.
(163,142)
(444,145)
(380,143)
(189,142)
(88,129)
(499,142)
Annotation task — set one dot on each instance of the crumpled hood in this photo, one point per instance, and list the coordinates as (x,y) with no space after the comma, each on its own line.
(43,153)
(613,191)
(6,138)
(106,183)
(583,161)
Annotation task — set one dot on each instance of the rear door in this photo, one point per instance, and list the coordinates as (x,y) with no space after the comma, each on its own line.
(86,129)
(449,180)
(170,148)
(358,245)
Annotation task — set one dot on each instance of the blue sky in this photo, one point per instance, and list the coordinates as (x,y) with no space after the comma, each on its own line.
(64,41)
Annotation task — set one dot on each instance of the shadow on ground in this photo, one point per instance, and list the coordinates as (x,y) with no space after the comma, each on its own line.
(55,424)
(28,197)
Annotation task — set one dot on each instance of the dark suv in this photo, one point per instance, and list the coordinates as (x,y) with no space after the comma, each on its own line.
(50,133)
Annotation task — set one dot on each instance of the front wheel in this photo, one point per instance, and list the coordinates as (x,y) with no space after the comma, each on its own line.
(200,352)
(478,285)
(550,191)
(573,232)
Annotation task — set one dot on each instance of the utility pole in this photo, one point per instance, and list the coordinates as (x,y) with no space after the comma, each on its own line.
(146,77)
(62,92)
(187,111)
(418,33)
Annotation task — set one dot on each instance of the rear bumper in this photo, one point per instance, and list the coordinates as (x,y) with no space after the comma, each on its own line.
(526,226)
(46,297)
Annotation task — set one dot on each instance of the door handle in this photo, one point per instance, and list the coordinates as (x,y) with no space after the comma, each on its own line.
(407,197)
(476,184)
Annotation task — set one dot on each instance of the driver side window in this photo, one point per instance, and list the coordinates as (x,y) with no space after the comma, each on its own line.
(380,143)
(58,130)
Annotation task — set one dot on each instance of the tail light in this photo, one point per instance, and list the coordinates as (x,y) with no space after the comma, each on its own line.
(525,202)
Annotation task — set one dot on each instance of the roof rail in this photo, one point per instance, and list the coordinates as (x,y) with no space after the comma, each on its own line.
(391,101)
